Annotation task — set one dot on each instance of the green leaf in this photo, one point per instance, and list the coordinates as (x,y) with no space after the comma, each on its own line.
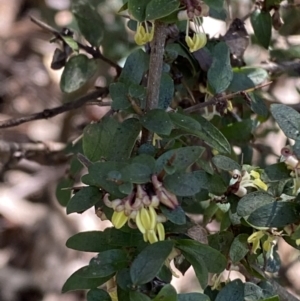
(239,132)
(277,171)
(110,140)
(166,91)
(84,199)
(157,121)
(137,296)
(182,184)
(136,65)
(288,119)
(214,260)
(234,290)
(212,136)
(258,105)
(105,263)
(63,195)
(137,9)
(182,158)
(98,241)
(86,17)
(239,248)
(176,216)
(220,73)
(246,78)
(192,297)
(250,202)
(138,94)
(101,175)
(225,163)
(137,173)
(213,183)
(78,70)
(274,298)
(76,282)
(167,293)
(157,9)
(185,123)
(215,4)
(262,25)
(221,241)
(97,294)
(148,263)
(252,292)
(276,214)
(118,92)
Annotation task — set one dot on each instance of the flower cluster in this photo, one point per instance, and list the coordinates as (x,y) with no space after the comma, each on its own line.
(240,180)
(142,208)
(292,163)
(270,241)
(143,35)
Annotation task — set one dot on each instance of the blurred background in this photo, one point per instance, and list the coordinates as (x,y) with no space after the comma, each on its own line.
(34,262)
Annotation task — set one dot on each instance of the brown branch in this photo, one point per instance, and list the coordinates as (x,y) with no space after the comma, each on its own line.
(218,99)
(280,67)
(93,51)
(48,113)
(155,71)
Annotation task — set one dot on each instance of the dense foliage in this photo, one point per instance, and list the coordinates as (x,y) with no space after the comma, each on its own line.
(181,107)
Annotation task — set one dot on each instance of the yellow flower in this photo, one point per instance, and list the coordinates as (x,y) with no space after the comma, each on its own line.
(216,280)
(143,35)
(254,239)
(240,180)
(199,39)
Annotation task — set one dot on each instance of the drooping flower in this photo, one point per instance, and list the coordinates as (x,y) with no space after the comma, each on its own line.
(143,35)
(240,180)
(199,38)
(140,208)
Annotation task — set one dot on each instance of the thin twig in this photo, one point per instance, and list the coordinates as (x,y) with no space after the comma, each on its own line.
(48,113)
(218,99)
(93,51)
(280,67)
(155,71)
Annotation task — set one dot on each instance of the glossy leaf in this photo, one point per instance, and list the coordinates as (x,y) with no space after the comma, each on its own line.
(97,294)
(137,9)
(251,201)
(234,290)
(148,263)
(182,184)
(78,70)
(288,119)
(246,78)
(135,67)
(167,293)
(220,74)
(276,214)
(76,282)
(105,263)
(157,9)
(110,140)
(86,17)
(176,216)
(212,136)
(157,121)
(118,92)
(99,241)
(252,292)
(192,297)
(137,296)
(215,262)
(239,248)
(261,22)
(180,158)
(84,199)
(225,163)
(221,241)
(277,171)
